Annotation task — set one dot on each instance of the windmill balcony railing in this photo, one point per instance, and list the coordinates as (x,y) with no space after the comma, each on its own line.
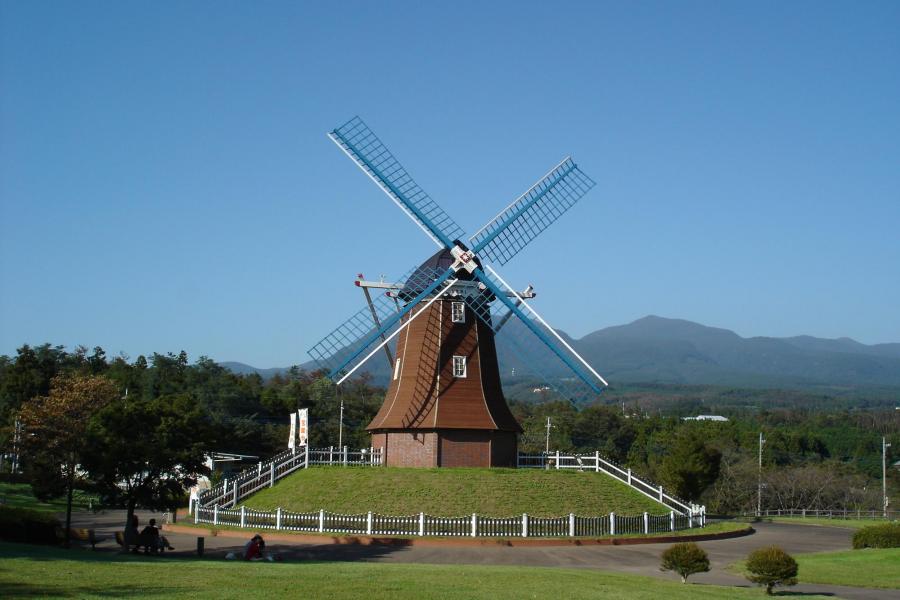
(595,462)
(423,525)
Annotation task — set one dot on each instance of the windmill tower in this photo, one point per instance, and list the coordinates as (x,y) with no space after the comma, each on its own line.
(445,404)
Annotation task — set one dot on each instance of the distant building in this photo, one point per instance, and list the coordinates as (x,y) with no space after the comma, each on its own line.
(706,418)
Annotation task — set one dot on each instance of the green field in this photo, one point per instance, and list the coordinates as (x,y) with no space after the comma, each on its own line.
(19,495)
(453,492)
(872,568)
(878,568)
(30,571)
(823,522)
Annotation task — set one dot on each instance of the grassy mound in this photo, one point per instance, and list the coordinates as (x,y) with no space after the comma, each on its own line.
(453,492)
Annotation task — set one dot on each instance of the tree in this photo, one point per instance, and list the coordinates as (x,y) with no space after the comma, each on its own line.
(55,428)
(148,451)
(685,559)
(770,567)
(690,466)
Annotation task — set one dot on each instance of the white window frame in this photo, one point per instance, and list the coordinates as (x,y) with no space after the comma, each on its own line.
(396,368)
(459,361)
(461,317)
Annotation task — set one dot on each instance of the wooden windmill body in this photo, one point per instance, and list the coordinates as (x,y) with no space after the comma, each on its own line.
(445,406)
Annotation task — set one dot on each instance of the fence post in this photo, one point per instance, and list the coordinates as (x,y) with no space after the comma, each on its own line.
(660,494)
(330,455)
(243,516)
(646,523)
(703,516)
(474,525)
(691,518)
(234,503)
(306,457)
(557,459)
(278,518)
(272,474)
(216,514)
(321,520)
(421,524)
(629,476)
(612,523)
(259,469)
(197,513)
(345,456)
(672,520)
(369,523)
(381,456)
(597,461)
(524,524)
(571,524)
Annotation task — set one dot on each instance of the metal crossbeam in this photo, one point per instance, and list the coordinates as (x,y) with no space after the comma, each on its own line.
(359,142)
(531,213)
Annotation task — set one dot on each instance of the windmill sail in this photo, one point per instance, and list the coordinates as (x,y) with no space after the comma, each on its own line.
(363,146)
(531,213)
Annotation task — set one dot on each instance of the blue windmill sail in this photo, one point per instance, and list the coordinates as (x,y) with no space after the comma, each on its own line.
(531,213)
(367,151)
(356,336)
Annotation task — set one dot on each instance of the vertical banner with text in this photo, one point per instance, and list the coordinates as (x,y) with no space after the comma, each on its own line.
(303,426)
(293,438)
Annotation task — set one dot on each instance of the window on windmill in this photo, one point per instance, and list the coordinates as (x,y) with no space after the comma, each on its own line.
(459,366)
(458,312)
(397,368)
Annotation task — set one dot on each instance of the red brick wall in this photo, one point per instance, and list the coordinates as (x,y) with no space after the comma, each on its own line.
(465,448)
(405,449)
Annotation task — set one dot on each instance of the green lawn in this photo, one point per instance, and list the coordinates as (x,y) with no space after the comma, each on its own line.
(453,492)
(872,568)
(845,523)
(29,571)
(19,495)
(878,568)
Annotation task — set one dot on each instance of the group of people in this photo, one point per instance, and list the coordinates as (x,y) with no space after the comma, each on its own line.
(154,542)
(149,538)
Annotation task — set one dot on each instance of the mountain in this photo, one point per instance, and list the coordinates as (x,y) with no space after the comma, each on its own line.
(663,350)
(244,369)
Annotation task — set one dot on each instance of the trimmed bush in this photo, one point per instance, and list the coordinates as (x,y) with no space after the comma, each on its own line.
(26,525)
(883,535)
(770,567)
(685,559)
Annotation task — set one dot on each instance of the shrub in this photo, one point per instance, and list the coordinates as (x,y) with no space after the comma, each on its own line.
(685,559)
(770,567)
(26,525)
(883,535)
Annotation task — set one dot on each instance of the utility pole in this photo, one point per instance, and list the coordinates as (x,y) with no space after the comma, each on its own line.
(884,447)
(547,443)
(341,424)
(759,477)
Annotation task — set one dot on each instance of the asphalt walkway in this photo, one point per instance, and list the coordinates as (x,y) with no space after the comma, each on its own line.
(641,559)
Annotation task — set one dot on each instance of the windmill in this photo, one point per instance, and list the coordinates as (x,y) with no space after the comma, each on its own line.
(445,404)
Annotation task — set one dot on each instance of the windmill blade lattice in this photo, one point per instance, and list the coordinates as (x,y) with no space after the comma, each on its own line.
(531,213)
(356,335)
(367,151)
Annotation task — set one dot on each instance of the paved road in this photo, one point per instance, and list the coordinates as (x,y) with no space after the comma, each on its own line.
(637,559)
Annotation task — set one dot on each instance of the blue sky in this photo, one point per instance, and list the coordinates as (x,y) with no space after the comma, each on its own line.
(166,182)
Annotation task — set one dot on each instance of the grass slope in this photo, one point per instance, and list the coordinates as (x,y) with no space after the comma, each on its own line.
(19,495)
(31,571)
(453,492)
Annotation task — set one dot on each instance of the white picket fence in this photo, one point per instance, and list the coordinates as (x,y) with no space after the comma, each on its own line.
(594,462)
(423,525)
(231,491)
